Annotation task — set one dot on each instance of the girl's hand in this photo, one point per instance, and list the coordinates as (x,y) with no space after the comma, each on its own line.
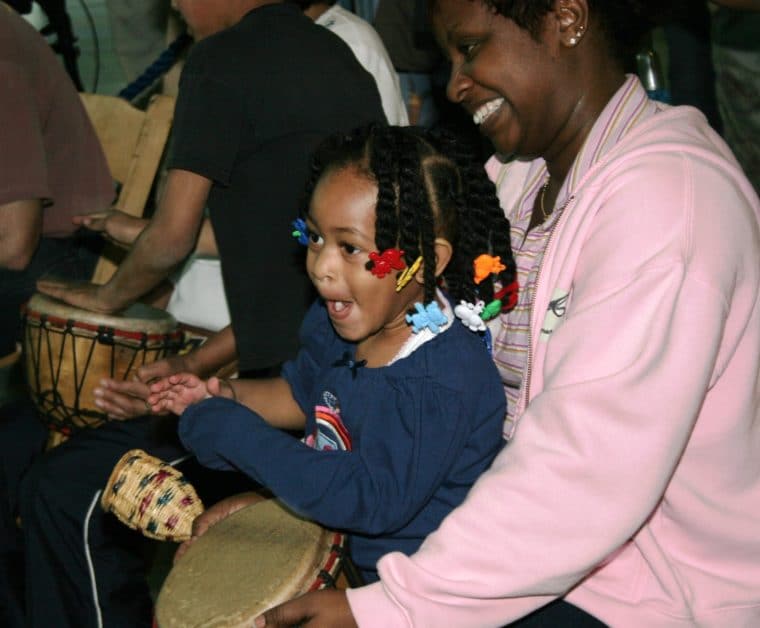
(176,392)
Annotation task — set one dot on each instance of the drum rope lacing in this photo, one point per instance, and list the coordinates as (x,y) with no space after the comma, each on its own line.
(326,578)
(59,416)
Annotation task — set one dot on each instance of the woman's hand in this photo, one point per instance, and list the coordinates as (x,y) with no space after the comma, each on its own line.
(120,227)
(327,608)
(219,511)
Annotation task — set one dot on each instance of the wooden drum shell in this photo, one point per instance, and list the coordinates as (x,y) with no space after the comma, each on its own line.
(67,351)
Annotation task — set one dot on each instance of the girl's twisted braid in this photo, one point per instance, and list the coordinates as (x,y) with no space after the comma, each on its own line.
(483,228)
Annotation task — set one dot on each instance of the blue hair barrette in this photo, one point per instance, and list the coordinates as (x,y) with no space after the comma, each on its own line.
(300,231)
(429,316)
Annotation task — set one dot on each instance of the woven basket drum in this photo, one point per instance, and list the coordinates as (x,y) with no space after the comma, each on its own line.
(151,496)
(254,559)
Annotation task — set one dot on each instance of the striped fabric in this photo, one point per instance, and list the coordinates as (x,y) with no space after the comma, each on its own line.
(511,334)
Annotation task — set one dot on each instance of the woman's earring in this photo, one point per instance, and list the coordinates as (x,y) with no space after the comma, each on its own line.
(577,37)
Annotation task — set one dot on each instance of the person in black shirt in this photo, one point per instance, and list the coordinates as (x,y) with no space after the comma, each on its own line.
(261,87)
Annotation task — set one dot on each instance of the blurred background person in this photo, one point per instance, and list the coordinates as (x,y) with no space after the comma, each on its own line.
(51,168)
(367,47)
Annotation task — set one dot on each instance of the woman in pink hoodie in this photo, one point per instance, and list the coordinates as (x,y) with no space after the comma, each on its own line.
(629,491)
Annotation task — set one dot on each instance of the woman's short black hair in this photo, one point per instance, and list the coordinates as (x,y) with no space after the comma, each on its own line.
(624,22)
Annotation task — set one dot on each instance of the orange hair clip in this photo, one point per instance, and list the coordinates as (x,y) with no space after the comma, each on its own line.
(486,265)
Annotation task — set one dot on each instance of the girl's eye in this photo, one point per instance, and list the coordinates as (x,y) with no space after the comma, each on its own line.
(351,249)
(315,238)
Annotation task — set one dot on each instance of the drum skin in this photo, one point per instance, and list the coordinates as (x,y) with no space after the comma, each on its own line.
(67,351)
(254,559)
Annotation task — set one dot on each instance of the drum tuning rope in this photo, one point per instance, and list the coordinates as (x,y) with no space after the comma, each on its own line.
(66,358)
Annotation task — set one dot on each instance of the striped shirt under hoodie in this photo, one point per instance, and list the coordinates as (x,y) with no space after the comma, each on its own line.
(511,331)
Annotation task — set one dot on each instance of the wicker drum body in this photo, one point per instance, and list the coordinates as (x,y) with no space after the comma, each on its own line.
(151,496)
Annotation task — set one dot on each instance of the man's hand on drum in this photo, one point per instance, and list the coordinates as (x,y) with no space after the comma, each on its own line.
(213,515)
(176,392)
(122,400)
(170,365)
(114,224)
(83,294)
(327,608)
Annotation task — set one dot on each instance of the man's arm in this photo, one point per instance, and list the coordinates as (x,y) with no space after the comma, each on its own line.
(20,230)
(165,242)
(124,229)
(218,352)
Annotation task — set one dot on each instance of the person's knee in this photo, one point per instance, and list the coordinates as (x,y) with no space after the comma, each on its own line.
(29,489)
(47,487)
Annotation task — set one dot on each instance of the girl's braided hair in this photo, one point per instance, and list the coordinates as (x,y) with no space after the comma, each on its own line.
(430,183)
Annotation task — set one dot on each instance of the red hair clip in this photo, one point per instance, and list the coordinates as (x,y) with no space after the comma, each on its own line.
(508,295)
(385,262)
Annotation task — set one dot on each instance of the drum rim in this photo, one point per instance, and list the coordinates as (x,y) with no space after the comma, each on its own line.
(50,312)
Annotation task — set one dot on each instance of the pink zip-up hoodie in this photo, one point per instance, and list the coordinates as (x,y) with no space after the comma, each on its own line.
(632,484)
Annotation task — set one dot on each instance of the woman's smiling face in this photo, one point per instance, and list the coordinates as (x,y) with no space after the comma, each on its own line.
(503,77)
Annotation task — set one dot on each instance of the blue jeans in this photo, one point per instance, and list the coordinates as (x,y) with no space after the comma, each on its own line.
(71,258)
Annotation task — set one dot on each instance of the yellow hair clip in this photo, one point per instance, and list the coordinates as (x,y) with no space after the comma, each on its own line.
(406,276)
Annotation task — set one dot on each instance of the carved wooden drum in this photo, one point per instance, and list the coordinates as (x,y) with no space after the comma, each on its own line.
(68,350)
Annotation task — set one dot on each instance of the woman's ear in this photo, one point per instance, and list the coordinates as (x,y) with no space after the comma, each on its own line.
(573,20)
(443,253)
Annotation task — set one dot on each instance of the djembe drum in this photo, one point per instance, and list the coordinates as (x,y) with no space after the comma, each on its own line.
(254,559)
(67,351)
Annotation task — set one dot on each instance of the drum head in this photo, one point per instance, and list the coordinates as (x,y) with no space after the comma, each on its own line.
(254,559)
(138,317)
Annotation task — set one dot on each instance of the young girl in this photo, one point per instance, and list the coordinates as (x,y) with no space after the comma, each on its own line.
(401,405)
